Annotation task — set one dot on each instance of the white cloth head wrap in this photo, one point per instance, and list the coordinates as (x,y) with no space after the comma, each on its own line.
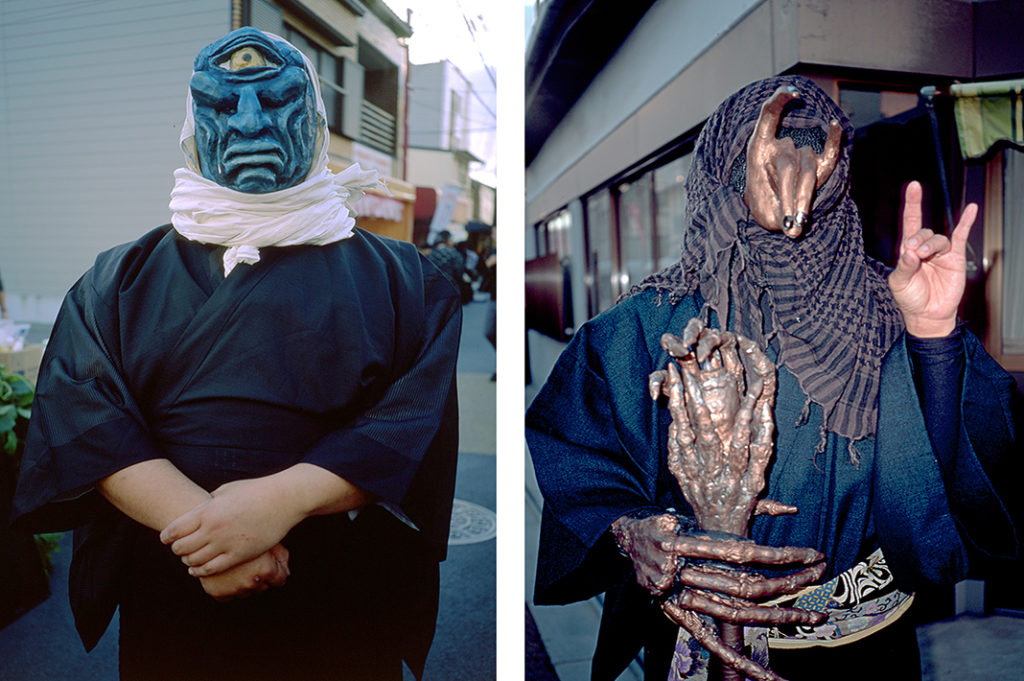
(316,211)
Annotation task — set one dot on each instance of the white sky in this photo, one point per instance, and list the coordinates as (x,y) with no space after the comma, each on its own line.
(440,31)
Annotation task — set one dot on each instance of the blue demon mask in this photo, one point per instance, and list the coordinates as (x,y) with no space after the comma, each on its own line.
(255,113)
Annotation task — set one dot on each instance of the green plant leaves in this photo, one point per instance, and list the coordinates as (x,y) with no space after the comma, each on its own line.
(16,393)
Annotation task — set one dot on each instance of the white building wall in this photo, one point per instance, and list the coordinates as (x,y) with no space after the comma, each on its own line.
(428,107)
(93,98)
(432,168)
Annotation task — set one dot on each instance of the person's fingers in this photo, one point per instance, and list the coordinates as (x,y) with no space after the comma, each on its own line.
(784,167)
(674,345)
(829,157)
(199,556)
(911,212)
(730,354)
(696,405)
(180,527)
(929,245)
(805,186)
(691,333)
(707,636)
(213,566)
(709,341)
(188,544)
(772,507)
(963,228)
(278,576)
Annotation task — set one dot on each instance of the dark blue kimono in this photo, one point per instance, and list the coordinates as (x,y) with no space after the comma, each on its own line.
(599,445)
(342,356)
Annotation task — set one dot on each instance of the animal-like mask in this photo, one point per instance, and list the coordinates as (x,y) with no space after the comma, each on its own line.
(255,113)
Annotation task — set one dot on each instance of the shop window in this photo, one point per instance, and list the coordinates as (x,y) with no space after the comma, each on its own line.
(865,105)
(636,232)
(547,281)
(1004,258)
(600,270)
(670,198)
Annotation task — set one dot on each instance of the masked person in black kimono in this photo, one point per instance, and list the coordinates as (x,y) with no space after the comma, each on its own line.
(250,419)
(893,439)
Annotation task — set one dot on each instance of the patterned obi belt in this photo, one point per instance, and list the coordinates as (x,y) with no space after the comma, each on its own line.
(859,602)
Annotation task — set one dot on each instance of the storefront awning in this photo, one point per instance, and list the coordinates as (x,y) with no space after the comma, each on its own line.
(987,113)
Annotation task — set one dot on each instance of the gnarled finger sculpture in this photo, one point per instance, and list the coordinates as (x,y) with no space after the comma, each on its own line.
(721,392)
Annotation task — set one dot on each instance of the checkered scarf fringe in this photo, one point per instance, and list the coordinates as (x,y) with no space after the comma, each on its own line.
(829,304)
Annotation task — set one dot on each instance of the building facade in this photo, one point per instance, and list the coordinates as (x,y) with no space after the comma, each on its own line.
(94,100)
(613,109)
(440,152)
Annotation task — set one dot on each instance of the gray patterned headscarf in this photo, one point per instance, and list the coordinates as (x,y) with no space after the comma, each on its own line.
(826,302)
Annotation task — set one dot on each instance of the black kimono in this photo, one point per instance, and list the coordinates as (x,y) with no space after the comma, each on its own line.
(341,356)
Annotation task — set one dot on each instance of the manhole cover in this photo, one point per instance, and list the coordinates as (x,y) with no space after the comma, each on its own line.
(471,524)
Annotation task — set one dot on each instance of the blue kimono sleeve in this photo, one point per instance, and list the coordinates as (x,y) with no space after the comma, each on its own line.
(85,423)
(593,434)
(931,515)
(403,448)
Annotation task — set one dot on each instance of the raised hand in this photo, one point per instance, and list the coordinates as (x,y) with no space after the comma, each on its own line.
(781,179)
(931,273)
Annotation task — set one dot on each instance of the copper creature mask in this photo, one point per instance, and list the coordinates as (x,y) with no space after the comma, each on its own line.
(782,178)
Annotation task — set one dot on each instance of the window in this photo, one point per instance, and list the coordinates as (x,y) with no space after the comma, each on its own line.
(379,110)
(864,104)
(670,198)
(326,65)
(1004,258)
(635,232)
(600,270)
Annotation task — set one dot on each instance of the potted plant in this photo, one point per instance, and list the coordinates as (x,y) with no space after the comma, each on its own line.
(25,562)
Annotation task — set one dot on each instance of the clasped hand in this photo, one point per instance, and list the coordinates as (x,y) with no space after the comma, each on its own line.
(231,542)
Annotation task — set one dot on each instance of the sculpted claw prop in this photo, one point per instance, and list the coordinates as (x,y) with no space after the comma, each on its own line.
(721,390)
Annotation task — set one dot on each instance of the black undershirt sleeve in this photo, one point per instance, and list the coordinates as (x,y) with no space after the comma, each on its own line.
(938,365)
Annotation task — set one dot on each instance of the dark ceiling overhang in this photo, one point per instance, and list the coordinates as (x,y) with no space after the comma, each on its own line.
(572,42)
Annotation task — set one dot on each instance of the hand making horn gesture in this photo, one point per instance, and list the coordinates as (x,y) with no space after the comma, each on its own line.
(782,179)
(929,278)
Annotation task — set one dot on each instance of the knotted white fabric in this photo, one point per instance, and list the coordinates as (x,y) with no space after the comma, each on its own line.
(317,211)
